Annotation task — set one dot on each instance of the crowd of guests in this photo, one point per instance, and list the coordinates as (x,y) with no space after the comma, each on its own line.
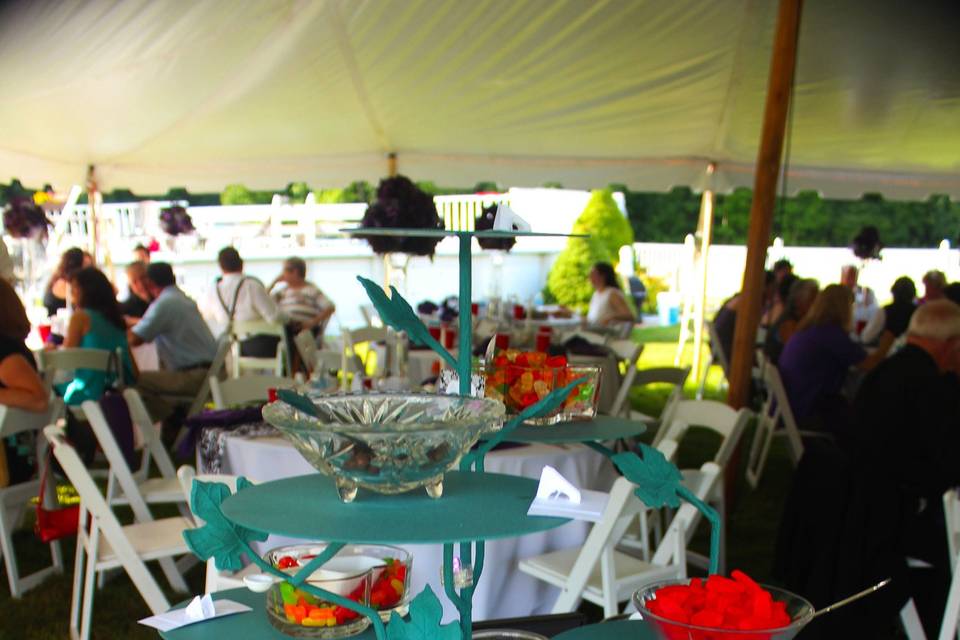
(875,390)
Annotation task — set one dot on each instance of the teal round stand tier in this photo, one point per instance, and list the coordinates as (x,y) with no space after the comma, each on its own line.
(252,625)
(599,429)
(619,630)
(474,507)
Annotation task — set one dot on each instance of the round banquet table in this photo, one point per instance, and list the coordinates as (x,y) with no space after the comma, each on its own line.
(502,591)
(619,630)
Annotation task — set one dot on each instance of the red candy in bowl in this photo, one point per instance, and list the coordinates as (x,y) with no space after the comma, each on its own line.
(719,608)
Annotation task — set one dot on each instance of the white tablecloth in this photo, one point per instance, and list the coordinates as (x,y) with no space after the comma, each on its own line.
(502,591)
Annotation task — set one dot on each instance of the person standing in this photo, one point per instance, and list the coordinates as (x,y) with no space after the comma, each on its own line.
(185,346)
(236,297)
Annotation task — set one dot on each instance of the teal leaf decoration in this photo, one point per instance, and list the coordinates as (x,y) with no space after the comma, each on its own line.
(424,623)
(298,401)
(218,538)
(658,480)
(398,314)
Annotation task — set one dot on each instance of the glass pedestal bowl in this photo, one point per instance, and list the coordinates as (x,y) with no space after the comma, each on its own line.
(386,442)
(518,387)
(799,610)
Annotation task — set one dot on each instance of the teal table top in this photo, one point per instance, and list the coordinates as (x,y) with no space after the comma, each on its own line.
(619,630)
(252,625)
(474,506)
(599,429)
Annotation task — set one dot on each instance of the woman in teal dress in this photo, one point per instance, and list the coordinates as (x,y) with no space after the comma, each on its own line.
(96,323)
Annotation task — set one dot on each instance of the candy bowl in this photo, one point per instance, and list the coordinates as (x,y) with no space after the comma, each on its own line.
(387,442)
(520,379)
(373,575)
(712,609)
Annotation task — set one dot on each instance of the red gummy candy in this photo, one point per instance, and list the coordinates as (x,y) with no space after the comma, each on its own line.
(556,361)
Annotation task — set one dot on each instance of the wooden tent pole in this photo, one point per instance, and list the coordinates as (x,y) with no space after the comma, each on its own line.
(391,164)
(782,63)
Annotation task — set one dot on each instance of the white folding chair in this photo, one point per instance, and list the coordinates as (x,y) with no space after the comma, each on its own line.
(726,423)
(245,389)
(57,364)
(775,420)
(316,359)
(216,580)
(677,376)
(134,494)
(14,499)
(598,572)
(351,363)
(628,353)
(243,330)
(717,356)
(127,546)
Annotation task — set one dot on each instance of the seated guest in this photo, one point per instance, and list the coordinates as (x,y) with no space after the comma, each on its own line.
(20,384)
(96,323)
(141,254)
(782,268)
(903,456)
(608,305)
(799,298)
(56,293)
(864,300)
(895,317)
(952,292)
(934,282)
(236,297)
(725,322)
(138,299)
(300,300)
(185,346)
(781,291)
(817,358)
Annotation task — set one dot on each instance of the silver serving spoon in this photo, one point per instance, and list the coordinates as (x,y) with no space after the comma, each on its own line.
(854,597)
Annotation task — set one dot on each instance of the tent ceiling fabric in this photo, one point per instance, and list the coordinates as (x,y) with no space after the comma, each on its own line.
(160,93)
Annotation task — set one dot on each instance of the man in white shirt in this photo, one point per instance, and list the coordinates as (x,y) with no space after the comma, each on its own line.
(236,297)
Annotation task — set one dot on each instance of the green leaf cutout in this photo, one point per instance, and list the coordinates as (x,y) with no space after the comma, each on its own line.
(298,401)
(658,480)
(398,314)
(424,623)
(218,538)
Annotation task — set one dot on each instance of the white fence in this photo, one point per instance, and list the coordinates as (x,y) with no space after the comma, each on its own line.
(726,262)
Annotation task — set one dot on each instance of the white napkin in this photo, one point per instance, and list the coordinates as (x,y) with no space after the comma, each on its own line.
(557,496)
(508,220)
(199,610)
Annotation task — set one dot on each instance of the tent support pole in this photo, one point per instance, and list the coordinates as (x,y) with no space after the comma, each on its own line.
(93,217)
(705,228)
(391,164)
(782,63)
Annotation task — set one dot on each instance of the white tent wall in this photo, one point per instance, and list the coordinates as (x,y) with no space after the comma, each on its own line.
(161,93)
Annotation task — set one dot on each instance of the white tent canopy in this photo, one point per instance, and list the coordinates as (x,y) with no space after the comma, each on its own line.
(160,93)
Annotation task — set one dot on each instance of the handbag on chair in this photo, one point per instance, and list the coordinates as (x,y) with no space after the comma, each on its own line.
(54,524)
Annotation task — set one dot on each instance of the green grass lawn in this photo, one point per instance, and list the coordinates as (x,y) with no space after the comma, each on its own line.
(43,613)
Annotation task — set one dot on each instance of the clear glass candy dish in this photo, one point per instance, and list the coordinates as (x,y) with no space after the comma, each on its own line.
(386,442)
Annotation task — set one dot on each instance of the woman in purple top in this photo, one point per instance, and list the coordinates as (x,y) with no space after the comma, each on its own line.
(817,358)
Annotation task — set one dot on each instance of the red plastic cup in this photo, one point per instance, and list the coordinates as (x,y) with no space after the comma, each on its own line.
(368,383)
(474,309)
(272,394)
(543,342)
(450,339)
(861,325)
(435,333)
(44,331)
(519,313)
(547,329)
(502,341)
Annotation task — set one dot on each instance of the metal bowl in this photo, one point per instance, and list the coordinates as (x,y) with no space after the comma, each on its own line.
(386,442)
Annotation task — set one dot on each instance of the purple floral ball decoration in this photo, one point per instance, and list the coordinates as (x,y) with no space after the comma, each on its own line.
(484,222)
(22,218)
(401,204)
(175,221)
(866,245)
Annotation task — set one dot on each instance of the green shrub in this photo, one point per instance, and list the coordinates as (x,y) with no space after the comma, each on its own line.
(297,192)
(237,194)
(654,286)
(567,283)
(603,220)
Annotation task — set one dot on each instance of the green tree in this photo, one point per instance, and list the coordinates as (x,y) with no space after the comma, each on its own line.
(297,192)
(360,191)
(602,219)
(237,194)
(567,282)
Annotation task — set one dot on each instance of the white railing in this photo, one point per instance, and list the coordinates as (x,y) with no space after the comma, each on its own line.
(459,212)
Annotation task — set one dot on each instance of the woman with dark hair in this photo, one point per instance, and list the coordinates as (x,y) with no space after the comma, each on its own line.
(55,296)
(608,305)
(895,317)
(96,323)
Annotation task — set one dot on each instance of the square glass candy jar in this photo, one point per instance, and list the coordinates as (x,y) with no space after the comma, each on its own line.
(374,575)
(521,379)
